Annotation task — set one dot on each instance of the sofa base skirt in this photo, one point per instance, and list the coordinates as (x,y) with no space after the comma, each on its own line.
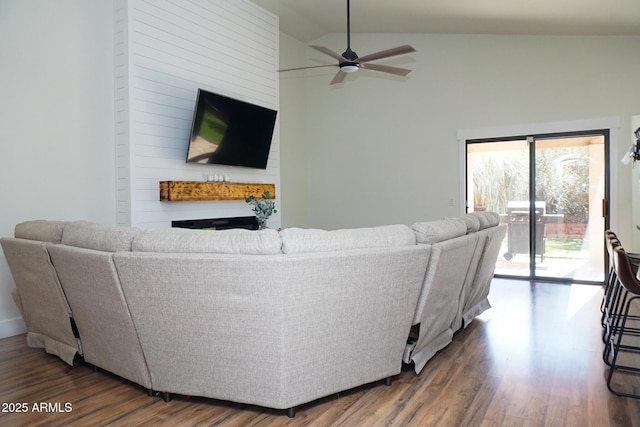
(421,356)
(475,311)
(64,351)
(291,411)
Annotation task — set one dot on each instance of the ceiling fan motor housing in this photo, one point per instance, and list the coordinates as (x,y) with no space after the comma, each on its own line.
(350,66)
(349,54)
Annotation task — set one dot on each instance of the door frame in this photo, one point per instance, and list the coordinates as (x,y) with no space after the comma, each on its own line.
(610,125)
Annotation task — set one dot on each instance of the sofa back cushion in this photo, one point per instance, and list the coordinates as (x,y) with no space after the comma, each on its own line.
(472,221)
(298,240)
(40,230)
(438,306)
(437,231)
(487,219)
(92,287)
(88,235)
(183,240)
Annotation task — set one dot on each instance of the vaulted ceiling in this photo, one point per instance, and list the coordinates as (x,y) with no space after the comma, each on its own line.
(307,20)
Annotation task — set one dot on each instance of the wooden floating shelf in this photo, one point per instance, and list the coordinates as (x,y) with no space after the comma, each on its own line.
(174,191)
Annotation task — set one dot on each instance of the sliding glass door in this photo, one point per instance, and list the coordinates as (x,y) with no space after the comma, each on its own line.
(551,191)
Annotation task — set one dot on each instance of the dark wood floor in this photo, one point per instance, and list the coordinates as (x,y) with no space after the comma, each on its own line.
(534,359)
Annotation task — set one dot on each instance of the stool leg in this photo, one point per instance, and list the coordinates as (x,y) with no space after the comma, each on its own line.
(616,346)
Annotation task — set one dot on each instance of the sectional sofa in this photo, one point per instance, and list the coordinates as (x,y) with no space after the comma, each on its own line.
(269,318)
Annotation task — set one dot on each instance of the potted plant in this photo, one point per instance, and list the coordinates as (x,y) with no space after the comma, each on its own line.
(263,207)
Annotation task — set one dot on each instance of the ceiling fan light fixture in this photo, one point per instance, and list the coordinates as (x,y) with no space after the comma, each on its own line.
(349,68)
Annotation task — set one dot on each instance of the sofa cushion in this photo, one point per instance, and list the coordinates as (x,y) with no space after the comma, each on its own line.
(298,240)
(472,221)
(40,230)
(437,231)
(487,219)
(88,235)
(183,240)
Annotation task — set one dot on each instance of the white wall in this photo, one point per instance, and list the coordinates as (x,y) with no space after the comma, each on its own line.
(56,119)
(383,149)
(294,139)
(165,51)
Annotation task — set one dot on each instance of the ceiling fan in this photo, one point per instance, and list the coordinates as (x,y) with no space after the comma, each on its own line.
(349,62)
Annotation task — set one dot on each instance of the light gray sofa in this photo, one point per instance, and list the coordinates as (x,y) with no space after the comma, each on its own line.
(269,318)
(258,317)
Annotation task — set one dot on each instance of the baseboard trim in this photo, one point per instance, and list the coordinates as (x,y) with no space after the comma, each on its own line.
(12,327)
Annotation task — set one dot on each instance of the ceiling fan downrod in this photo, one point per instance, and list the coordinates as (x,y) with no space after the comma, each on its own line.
(349,66)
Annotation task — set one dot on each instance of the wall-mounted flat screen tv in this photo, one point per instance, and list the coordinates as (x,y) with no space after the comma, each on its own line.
(228,131)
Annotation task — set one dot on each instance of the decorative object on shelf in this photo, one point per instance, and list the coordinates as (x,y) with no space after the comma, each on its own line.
(263,207)
(218,177)
(634,151)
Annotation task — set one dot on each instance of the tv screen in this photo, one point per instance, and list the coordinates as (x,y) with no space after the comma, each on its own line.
(228,131)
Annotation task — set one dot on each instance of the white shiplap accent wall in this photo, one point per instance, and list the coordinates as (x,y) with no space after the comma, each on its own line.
(164,51)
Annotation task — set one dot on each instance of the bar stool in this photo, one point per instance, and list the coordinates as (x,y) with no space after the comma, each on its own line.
(616,299)
(613,291)
(611,276)
(610,241)
(613,296)
(625,334)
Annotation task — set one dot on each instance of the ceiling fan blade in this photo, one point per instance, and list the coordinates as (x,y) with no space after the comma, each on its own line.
(386,69)
(329,52)
(306,68)
(338,78)
(400,50)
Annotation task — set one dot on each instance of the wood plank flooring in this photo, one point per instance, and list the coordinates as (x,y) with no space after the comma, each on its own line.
(534,359)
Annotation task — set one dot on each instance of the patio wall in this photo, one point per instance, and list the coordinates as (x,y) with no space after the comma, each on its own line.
(566,231)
